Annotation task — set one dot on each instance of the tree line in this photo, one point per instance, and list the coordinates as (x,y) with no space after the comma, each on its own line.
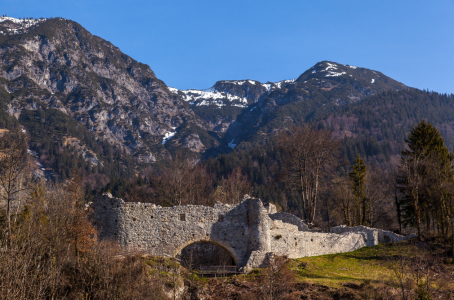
(303,172)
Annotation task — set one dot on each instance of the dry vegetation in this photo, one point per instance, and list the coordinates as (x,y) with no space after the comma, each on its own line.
(49,248)
(53,253)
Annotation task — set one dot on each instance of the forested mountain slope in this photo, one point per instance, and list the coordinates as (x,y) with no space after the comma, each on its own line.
(377,126)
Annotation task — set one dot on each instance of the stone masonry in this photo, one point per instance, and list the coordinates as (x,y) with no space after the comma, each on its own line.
(249,232)
(384,236)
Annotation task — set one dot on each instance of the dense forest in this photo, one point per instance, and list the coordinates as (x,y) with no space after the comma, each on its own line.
(376,127)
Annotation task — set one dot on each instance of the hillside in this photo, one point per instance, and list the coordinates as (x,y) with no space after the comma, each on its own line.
(59,81)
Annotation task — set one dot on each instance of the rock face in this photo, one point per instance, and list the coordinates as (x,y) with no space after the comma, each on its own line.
(246,231)
(58,64)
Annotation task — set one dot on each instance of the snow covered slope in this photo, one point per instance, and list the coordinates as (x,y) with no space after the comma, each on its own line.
(11,26)
(234,93)
(210,96)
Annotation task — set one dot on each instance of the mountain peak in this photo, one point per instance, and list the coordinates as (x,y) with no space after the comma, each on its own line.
(359,78)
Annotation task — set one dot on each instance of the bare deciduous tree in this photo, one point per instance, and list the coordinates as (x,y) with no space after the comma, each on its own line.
(185,181)
(233,188)
(13,162)
(277,277)
(379,193)
(41,263)
(341,199)
(307,154)
(410,179)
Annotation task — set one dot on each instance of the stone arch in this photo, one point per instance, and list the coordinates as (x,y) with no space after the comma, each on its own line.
(221,244)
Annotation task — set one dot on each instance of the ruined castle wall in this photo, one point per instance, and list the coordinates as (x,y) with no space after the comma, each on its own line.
(291,219)
(108,218)
(165,231)
(302,244)
(384,236)
(286,239)
(259,224)
(246,231)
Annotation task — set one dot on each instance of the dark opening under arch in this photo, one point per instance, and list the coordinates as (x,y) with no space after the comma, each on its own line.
(202,253)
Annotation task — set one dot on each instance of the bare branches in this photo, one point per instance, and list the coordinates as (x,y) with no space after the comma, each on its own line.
(233,188)
(13,162)
(308,155)
(186,181)
(277,277)
(41,261)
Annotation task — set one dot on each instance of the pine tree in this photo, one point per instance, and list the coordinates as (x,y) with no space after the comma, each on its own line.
(358,179)
(425,168)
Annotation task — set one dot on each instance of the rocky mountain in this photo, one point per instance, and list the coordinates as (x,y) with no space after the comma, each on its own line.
(62,84)
(245,111)
(57,64)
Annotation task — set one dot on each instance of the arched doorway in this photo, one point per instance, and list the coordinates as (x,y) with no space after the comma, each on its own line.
(205,253)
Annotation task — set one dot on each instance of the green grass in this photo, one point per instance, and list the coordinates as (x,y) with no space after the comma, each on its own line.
(334,269)
(367,265)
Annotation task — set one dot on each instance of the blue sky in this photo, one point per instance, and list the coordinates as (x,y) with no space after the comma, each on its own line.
(192,44)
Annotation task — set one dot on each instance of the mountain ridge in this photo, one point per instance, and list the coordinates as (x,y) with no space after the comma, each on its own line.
(55,64)
(329,84)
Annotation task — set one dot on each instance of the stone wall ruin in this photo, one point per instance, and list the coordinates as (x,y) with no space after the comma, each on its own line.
(249,232)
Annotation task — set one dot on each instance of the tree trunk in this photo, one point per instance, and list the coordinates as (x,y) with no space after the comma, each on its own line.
(363,213)
(417,214)
(8,216)
(303,200)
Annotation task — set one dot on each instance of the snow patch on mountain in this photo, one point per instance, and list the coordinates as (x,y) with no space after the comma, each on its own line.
(279,83)
(210,96)
(241,82)
(330,69)
(214,97)
(22,25)
(168,135)
(267,86)
(276,85)
(173,90)
(231,145)
(335,74)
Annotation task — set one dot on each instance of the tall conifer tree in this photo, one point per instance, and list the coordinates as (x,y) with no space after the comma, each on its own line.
(424,170)
(358,178)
